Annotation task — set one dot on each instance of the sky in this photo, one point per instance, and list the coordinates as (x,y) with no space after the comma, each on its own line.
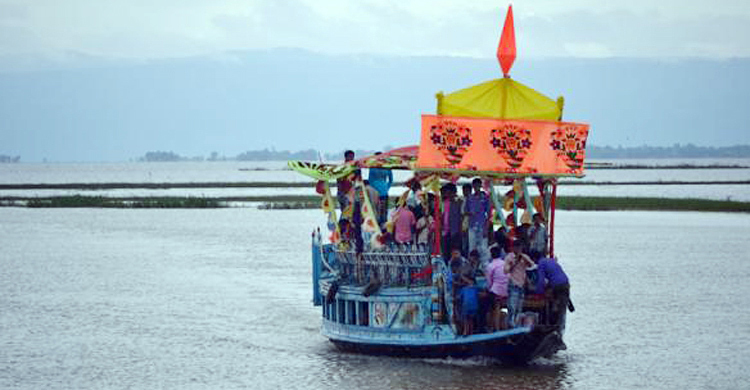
(137,30)
(98,79)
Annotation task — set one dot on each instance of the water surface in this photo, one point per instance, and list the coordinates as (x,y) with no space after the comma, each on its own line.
(206,299)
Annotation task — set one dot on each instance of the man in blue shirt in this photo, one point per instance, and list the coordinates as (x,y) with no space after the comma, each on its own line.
(381,179)
(478,210)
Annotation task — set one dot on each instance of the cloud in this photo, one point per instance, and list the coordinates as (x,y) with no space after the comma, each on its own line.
(140,29)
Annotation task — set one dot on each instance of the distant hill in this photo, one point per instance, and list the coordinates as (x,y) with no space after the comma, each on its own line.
(298,100)
(675,151)
(592,152)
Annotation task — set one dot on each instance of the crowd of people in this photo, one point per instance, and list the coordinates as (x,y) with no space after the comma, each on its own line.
(512,262)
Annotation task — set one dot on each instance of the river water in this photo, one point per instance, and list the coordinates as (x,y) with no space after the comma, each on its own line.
(274,171)
(220,299)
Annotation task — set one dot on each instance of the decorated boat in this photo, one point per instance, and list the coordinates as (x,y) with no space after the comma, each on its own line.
(380,297)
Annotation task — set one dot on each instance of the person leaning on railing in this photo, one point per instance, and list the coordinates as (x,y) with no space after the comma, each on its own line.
(553,279)
(515,266)
(403,225)
(497,286)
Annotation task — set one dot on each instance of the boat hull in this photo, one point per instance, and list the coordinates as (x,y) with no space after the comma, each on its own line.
(517,346)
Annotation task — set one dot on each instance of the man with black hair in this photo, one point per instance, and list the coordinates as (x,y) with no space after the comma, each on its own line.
(344,184)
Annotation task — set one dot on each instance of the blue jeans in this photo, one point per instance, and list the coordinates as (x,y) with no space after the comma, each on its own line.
(478,241)
(515,303)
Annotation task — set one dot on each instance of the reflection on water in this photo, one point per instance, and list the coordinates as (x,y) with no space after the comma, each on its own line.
(93,298)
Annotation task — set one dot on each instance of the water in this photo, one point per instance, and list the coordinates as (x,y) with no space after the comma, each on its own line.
(220,298)
(235,171)
(276,171)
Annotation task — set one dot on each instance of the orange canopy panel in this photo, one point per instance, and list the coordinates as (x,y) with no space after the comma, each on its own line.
(505,147)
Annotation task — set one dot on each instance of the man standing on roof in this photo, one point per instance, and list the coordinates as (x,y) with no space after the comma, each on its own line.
(478,210)
(381,179)
(344,184)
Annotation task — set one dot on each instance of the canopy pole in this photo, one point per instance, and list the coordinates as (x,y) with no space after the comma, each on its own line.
(527,198)
(439,96)
(438,229)
(552,221)
(516,196)
(498,206)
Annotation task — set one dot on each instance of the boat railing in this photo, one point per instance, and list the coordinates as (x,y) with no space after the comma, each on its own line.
(394,265)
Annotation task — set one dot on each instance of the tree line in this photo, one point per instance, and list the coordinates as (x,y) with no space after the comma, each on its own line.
(592,151)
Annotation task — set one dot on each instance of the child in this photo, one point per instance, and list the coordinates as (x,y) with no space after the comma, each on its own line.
(469,306)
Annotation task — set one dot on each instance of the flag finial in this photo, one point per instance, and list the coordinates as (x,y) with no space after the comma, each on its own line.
(506,50)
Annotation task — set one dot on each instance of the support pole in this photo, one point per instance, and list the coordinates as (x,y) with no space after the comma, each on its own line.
(438,228)
(552,221)
(516,189)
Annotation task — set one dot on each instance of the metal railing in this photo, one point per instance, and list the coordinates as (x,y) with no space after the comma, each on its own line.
(394,265)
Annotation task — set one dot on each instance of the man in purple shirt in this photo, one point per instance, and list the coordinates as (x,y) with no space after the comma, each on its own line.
(552,277)
(478,210)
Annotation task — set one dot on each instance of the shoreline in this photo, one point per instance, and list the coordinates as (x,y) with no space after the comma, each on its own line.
(311,184)
(289,202)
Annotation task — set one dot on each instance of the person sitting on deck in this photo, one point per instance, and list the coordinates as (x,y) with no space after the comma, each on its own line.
(344,184)
(497,286)
(553,280)
(515,266)
(537,238)
(456,261)
(403,225)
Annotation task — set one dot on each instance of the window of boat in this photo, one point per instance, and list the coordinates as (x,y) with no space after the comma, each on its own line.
(341,311)
(351,312)
(363,314)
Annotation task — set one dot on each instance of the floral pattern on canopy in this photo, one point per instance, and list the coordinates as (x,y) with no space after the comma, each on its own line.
(505,148)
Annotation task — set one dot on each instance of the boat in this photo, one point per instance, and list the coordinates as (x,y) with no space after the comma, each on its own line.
(379,297)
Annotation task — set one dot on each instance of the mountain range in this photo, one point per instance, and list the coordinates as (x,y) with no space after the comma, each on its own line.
(104,110)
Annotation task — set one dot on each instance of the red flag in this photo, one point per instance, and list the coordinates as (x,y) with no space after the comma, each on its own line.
(506,50)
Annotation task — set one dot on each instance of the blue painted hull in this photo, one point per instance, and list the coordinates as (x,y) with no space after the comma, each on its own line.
(417,320)
(516,346)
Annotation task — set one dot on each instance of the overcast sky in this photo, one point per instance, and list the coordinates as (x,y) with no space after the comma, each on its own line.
(151,29)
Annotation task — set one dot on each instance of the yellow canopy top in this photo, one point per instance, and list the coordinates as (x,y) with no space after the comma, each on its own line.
(500,98)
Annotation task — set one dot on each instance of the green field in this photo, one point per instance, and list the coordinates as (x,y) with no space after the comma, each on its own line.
(313,201)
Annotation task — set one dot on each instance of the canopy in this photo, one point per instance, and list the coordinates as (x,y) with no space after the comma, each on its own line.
(401,158)
(501,147)
(320,171)
(502,98)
